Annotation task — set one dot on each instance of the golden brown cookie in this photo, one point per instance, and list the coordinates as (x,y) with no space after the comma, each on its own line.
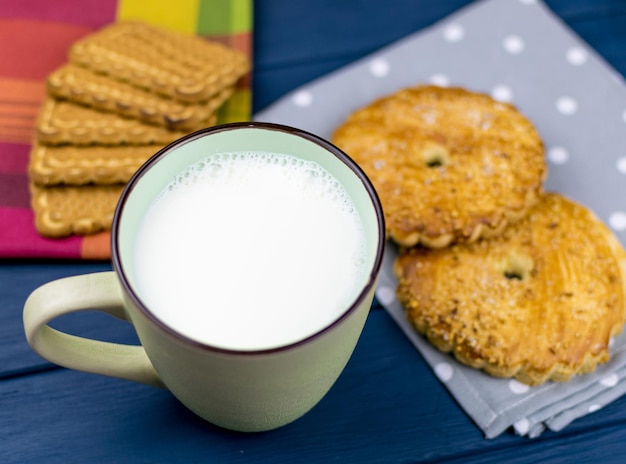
(541,302)
(178,66)
(449,165)
(66,210)
(79,165)
(86,87)
(63,122)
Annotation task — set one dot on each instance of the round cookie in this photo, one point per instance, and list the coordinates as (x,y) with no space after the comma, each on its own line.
(538,303)
(449,165)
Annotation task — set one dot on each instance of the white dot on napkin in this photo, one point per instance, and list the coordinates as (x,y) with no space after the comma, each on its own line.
(566,105)
(439,79)
(453,32)
(444,371)
(558,155)
(617,220)
(379,67)
(513,44)
(518,388)
(621,165)
(576,56)
(594,407)
(502,93)
(385,295)
(303,98)
(522,426)
(610,380)
(528,2)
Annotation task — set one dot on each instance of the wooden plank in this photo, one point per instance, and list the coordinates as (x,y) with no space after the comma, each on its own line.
(386,387)
(386,407)
(17,280)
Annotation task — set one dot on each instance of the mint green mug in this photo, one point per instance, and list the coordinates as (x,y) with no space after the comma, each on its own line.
(249,388)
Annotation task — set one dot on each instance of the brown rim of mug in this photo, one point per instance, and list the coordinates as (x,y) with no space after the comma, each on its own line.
(119,268)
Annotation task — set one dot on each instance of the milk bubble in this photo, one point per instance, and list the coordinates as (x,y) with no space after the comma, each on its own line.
(250,250)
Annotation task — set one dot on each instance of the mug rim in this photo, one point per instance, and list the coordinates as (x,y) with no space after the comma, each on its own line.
(325,144)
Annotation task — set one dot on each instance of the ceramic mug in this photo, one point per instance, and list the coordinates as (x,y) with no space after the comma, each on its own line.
(244,390)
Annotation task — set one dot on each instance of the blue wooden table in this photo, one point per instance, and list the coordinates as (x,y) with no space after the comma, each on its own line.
(386,407)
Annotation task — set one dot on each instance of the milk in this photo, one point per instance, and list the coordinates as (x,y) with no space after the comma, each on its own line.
(250,251)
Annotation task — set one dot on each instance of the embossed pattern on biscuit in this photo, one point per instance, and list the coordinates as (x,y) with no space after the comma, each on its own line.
(66,210)
(178,66)
(449,165)
(83,86)
(541,302)
(79,165)
(63,122)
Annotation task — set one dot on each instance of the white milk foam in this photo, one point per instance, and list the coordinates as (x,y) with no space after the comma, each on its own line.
(251,251)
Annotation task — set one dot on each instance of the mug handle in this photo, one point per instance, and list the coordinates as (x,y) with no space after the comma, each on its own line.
(98,291)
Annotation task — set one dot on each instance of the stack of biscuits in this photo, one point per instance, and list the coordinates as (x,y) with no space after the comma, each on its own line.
(508,278)
(127,90)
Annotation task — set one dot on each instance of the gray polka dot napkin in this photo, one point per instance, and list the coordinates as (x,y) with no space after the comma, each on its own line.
(517,51)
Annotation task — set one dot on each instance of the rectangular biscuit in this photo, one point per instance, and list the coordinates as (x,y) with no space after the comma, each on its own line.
(64,122)
(83,86)
(79,165)
(66,210)
(178,66)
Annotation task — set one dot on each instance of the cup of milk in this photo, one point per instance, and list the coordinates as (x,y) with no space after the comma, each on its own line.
(246,256)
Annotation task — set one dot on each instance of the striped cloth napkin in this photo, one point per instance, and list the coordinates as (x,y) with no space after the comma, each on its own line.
(34,39)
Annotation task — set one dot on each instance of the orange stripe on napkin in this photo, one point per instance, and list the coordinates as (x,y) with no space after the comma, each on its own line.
(24,91)
(20,100)
(17,135)
(21,115)
(32,49)
(97,246)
